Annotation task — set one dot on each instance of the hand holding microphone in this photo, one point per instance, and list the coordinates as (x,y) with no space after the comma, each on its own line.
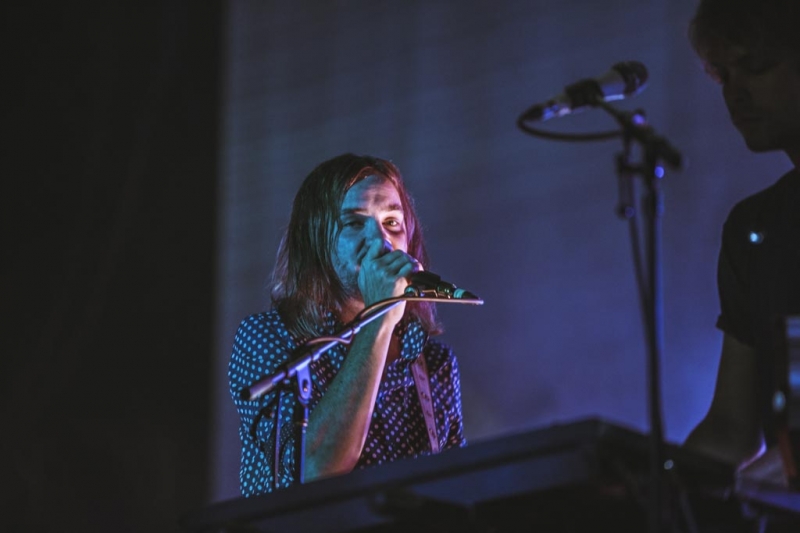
(385,262)
(383,274)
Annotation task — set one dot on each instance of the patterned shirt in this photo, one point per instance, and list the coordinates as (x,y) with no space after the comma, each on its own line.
(397,430)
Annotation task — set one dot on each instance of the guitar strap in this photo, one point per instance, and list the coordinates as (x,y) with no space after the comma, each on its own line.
(422,382)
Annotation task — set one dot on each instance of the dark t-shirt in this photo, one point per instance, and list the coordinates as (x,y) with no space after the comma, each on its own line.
(759,276)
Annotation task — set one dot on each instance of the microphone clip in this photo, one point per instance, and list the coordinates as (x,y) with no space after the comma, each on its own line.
(430,285)
(418,291)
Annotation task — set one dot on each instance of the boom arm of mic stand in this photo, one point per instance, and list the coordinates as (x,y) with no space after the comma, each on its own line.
(270,383)
(635,129)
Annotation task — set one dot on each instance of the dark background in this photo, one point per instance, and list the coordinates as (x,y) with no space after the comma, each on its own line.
(109,210)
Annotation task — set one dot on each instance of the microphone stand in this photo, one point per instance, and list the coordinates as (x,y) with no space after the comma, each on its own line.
(298,367)
(649,280)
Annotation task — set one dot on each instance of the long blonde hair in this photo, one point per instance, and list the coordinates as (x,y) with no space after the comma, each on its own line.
(304,284)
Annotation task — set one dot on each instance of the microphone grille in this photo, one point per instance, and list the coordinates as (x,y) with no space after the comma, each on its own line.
(634,75)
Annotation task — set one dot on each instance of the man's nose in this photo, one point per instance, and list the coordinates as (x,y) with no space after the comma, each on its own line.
(734,90)
(376,231)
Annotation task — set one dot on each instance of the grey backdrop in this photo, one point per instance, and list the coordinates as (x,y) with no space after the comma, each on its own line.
(526,223)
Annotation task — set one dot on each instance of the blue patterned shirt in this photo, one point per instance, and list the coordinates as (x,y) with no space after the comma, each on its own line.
(397,430)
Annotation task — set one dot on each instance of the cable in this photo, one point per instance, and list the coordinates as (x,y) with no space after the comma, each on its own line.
(578,137)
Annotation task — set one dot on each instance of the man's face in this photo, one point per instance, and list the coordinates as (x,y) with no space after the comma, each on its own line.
(762,93)
(371,210)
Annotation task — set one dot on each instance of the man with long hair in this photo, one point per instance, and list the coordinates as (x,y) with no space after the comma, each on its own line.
(752,48)
(353,239)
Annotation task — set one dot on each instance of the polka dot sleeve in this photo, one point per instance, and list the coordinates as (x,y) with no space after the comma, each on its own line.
(260,346)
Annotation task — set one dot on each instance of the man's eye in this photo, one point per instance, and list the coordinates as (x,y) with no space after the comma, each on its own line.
(353,223)
(757,65)
(759,68)
(394,224)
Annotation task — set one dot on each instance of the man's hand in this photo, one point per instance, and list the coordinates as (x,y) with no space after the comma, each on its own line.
(383,274)
(766,469)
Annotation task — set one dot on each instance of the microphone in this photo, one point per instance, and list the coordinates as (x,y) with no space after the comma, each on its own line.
(426,283)
(623,80)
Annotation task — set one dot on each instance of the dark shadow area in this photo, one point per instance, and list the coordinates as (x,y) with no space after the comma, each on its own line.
(589,475)
(109,216)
